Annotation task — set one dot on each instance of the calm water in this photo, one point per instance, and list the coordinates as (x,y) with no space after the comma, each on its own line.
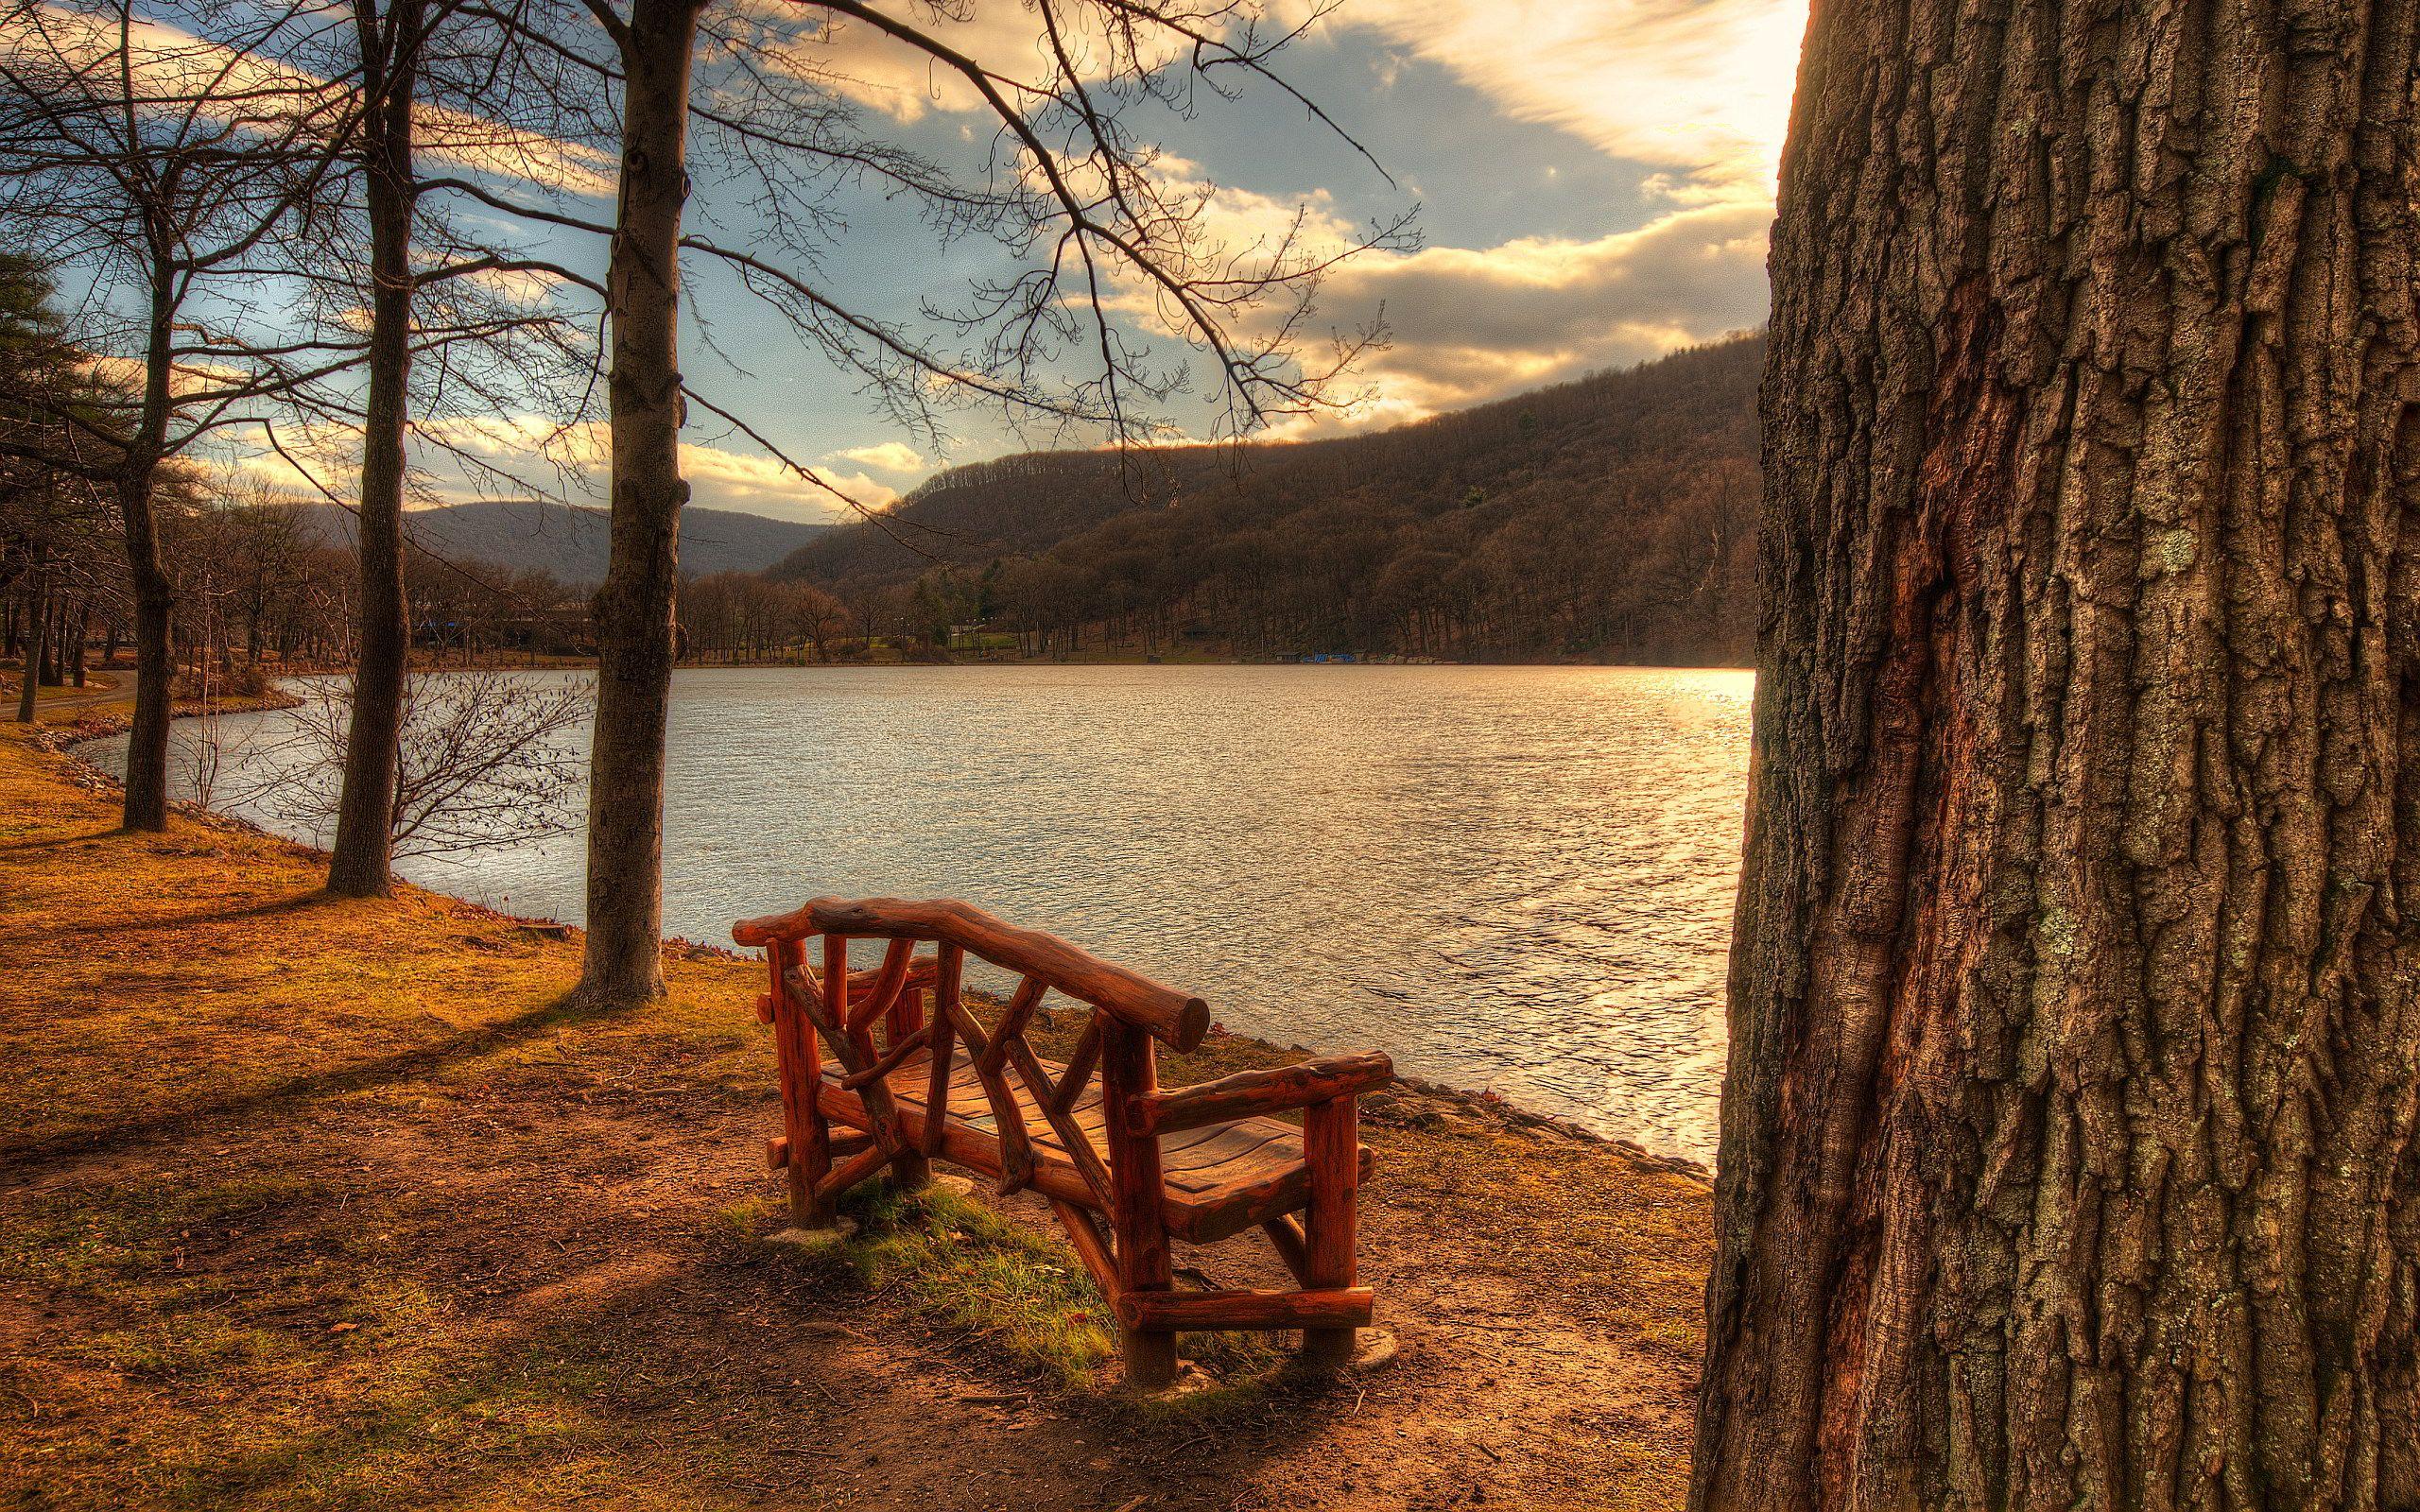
(1510,878)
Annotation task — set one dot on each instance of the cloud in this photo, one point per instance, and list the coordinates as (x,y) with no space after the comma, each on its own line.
(1467,325)
(889,456)
(218,82)
(528,288)
(862,64)
(188,377)
(458,459)
(538,450)
(760,485)
(1699,89)
(1694,92)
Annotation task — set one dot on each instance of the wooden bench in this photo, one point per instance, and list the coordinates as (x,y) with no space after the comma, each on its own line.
(871,1081)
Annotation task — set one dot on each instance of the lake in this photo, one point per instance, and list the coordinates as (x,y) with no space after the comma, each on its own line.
(1510,878)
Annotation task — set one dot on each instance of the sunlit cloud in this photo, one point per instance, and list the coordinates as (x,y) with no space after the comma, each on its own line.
(1698,90)
(764,485)
(461,458)
(188,377)
(889,456)
(1695,92)
(528,288)
(168,64)
(861,64)
(1463,325)
(1471,324)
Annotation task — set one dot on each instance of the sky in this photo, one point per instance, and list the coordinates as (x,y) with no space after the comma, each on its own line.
(1591,181)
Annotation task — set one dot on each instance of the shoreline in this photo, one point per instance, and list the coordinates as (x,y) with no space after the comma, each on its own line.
(1410,1099)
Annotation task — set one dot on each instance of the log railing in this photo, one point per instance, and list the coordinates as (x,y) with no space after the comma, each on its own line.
(872,1022)
(1170,1016)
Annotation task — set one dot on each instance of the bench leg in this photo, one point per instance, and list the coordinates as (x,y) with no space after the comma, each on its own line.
(1150,1359)
(1331,1148)
(909,1170)
(810,1162)
(1137,1217)
(802,1120)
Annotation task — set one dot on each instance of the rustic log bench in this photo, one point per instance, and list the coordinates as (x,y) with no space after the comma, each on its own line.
(1096,1136)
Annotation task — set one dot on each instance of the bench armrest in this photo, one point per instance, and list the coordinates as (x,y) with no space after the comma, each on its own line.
(1249,1092)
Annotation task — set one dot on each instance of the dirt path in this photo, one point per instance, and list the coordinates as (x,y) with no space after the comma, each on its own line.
(100,688)
(308,1203)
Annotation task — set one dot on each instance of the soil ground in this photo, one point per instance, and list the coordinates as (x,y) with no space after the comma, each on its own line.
(310,1203)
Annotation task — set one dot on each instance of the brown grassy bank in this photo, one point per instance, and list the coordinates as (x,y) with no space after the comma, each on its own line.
(308,1203)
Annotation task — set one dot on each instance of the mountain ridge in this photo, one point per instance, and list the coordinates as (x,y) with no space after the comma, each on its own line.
(571,542)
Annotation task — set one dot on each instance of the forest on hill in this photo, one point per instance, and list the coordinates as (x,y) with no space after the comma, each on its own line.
(1611,518)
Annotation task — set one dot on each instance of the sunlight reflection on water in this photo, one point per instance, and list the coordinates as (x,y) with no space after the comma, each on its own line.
(1516,878)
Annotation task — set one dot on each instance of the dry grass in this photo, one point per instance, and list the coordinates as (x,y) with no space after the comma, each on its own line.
(318,1204)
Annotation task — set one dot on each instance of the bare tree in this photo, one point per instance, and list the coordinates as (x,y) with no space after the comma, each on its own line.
(634,611)
(388,43)
(456,60)
(2067,1147)
(820,618)
(483,759)
(163,165)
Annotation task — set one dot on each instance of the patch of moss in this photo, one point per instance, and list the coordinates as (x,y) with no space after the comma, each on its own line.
(964,1266)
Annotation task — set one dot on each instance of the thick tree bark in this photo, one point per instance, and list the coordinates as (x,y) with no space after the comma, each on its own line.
(634,609)
(363,861)
(2066,1154)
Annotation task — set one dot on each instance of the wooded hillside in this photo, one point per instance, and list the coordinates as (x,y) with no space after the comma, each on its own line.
(1611,518)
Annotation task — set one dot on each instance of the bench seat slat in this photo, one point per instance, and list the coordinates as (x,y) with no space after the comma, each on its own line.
(1220,1179)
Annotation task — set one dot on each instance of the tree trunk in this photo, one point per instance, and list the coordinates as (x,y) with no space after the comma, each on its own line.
(634,607)
(38,626)
(2065,1151)
(361,866)
(154,592)
(155,602)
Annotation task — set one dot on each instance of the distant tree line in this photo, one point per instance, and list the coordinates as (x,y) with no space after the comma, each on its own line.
(731,617)
(260,591)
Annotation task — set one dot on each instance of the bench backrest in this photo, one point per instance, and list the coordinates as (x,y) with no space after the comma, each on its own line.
(1173,1017)
(1130,1012)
